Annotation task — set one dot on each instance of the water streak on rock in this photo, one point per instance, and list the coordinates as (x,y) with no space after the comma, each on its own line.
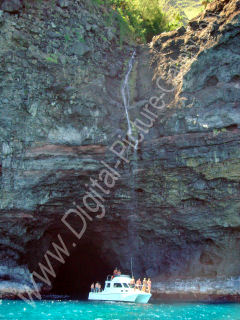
(125,90)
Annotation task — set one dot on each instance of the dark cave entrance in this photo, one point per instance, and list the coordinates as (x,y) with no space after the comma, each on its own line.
(89,259)
(84,266)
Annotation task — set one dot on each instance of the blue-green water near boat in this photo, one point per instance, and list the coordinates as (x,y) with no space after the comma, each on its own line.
(76,310)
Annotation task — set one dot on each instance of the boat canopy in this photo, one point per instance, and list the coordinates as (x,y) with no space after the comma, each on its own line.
(120,278)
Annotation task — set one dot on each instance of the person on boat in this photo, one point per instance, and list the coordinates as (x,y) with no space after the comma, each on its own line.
(115,272)
(138,284)
(132,283)
(144,287)
(97,287)
(92,287)
(149,284)
(119,273)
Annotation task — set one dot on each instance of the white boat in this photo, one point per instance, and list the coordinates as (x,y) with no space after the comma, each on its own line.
(119,289)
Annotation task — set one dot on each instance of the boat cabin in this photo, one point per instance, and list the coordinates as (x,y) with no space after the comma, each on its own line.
(119,283)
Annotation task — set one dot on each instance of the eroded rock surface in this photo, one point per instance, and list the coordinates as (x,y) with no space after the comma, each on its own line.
(175,209)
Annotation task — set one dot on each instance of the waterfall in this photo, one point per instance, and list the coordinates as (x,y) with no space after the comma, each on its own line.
(133,168)
(125,91)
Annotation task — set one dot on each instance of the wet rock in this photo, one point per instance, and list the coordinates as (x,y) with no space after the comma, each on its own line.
(54,35)
(181,31)
(80,49)
(1,18)
(20,38)
(63,3)
(194,25)
(12,6)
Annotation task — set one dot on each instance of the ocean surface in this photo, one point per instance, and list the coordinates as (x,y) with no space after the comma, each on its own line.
(71,310)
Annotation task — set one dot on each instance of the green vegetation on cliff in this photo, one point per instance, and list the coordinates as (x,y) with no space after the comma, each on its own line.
(143,19)
(146,18)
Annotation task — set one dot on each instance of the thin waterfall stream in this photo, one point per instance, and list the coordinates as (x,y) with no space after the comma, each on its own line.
(125,91)
(133,206)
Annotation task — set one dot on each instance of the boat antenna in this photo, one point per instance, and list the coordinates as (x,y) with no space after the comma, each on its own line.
(132,266)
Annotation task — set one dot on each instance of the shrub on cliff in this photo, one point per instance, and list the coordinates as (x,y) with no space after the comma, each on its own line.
(146,18)
(206,2)
(143,18)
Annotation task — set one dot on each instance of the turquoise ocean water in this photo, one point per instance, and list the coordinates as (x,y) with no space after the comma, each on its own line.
(78,310)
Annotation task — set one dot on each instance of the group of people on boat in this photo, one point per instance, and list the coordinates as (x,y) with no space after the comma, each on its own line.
(96,287)
(144,285)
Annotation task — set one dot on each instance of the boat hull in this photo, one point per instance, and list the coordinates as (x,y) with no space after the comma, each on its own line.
(120,297)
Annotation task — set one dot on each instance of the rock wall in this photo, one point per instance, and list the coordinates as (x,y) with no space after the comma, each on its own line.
(175,208)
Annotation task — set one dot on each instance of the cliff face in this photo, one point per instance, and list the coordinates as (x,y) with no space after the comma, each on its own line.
(175,206)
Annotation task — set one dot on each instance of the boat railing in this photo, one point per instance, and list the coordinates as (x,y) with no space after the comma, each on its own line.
(110,277)
(139,287)
(96,290)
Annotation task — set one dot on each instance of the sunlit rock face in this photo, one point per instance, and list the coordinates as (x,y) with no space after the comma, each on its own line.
(174,208)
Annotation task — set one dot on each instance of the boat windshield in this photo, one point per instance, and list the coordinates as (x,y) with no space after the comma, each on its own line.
(125,285)
(117,285)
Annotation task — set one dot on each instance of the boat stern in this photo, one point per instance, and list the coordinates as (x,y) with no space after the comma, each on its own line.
(143,298)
